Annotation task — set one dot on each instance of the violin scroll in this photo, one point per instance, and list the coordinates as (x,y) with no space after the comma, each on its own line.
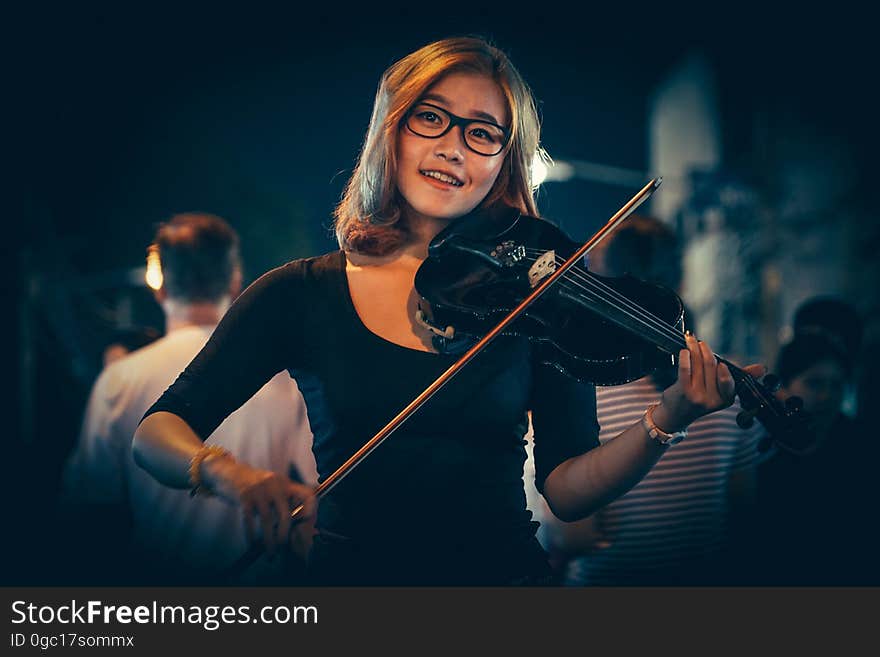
(787,424)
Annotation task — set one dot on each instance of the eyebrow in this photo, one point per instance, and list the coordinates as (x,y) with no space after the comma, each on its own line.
(473,113)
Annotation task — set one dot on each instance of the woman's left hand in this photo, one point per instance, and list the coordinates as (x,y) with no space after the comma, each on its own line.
(704,386)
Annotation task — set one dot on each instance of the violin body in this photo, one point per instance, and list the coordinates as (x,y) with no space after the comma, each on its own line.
(482,266)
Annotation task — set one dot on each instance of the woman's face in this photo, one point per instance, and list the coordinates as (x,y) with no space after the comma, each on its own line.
(467,95)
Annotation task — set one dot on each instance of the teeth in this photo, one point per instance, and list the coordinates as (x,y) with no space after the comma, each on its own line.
(442,177)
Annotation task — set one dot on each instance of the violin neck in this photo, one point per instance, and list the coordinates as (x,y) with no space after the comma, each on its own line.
(737,373)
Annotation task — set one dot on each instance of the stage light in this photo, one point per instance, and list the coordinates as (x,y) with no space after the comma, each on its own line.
(546,169)
(153,277)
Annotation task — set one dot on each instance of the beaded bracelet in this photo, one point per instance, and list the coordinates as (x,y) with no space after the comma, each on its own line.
(195,463)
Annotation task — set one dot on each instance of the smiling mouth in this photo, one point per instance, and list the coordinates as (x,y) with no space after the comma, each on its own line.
(442,177)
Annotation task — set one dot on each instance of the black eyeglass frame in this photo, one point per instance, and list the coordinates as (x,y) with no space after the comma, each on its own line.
(455,120)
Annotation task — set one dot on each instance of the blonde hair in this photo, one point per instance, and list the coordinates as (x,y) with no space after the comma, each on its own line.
(368,217)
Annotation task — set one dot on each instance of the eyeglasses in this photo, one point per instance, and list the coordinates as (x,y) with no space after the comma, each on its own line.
(432,122)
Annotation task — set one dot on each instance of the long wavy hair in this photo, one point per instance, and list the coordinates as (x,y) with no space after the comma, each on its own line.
(368,218)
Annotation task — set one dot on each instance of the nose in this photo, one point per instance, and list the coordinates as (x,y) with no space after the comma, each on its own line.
(451,146)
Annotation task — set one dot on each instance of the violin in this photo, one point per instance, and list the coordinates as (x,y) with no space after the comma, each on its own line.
(595,329)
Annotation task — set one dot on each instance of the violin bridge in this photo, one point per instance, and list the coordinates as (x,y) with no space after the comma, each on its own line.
(542,268)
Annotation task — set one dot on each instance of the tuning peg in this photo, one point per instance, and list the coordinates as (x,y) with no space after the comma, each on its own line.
(794,404)
(746,419)
(771,382)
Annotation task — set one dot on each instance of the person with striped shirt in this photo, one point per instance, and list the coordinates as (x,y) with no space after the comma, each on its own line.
(674,526)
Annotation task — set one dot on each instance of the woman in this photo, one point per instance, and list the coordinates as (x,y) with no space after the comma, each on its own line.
(454,129)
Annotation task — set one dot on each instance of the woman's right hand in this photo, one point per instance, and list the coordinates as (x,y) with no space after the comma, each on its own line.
(266,499)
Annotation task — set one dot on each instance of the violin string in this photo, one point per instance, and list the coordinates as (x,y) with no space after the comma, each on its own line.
(649,320)
(635,311)
(628,307)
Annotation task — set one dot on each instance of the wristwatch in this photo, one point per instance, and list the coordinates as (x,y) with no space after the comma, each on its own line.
(657,434)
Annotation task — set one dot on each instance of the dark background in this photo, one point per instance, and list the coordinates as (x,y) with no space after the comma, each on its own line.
(122,117)
(259,116)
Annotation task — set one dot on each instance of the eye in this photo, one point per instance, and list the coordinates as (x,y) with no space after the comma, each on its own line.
(428,116)
(427,121)
(486,134)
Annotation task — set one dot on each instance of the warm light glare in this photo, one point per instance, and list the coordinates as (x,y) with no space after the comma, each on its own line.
(153,276)
(539,170)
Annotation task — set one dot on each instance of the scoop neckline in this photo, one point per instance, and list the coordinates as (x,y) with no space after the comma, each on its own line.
(350,307)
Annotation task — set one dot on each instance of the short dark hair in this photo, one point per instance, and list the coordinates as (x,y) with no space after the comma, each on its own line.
(199,254)
(646,248)
(835,318)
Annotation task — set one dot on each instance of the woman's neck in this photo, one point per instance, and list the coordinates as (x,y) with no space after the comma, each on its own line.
(409,256)
(421,229)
